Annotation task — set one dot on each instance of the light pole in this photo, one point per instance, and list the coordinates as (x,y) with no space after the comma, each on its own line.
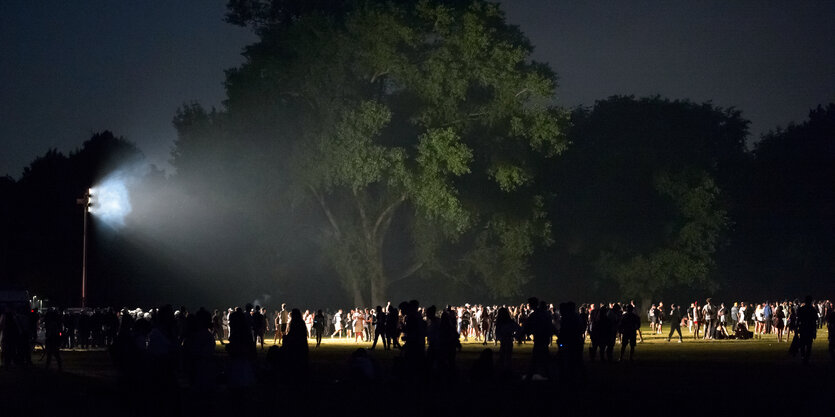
(84,201)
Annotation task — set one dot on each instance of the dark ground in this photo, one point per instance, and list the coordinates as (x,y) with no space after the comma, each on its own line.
(704,377)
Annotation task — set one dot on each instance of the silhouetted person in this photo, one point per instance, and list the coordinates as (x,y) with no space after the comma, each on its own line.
(319,326)
(482,369)
(433,337)
(629,325)
(540,325)
(414,336)
(380,328)
(163,352)
(601,330)
(52,343)
(217,325)
(295,350)
(198,351)
(570,342)
(393,327)
(259,326)
(675,322)
(448,346)
(127,349)
(242,353)
(830,326)
(807,328)
(506,330)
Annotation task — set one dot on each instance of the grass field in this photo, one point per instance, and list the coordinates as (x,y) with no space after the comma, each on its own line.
(689,378)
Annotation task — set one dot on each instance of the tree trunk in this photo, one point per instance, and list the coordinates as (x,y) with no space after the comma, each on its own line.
(378,279)
(359,300)
(378,292)
(646,303)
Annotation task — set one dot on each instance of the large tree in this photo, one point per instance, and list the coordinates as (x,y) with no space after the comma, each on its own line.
(424,117)
(787,230)
(639,194)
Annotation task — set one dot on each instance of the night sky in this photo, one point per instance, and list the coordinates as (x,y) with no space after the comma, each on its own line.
(69,69)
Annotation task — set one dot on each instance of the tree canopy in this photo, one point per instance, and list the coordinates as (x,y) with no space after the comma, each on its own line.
(424,116)
(638,195)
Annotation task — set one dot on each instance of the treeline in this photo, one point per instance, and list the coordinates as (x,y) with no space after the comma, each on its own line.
(649,192)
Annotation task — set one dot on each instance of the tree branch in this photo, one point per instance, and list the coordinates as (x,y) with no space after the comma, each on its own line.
(363,216)
(328,214)
(407,273)
(387,212)
(377,75)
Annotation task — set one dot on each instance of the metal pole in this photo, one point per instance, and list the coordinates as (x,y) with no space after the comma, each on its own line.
(84,255)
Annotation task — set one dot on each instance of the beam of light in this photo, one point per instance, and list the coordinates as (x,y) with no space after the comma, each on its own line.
(110,201)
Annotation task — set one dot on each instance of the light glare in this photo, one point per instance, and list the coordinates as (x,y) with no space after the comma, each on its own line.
(110,201)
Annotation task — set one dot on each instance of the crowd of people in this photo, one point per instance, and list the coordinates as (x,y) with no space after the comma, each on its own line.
(158,339)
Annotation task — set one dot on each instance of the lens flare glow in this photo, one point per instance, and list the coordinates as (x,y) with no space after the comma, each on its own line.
(110,201)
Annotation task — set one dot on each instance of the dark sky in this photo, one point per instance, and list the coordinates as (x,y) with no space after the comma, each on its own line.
(68,69)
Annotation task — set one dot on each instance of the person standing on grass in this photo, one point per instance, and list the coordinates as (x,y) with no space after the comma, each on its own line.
(709,314)
(675,322)
(635,310)
(337,323)
(743,311)
(759,316)
(779,324)
(807,327)
(259,325)
(830,326)
(217,326)
(284,319)
(52,325)
(506,330)
(696,318)
(540,325)
(629,325)
(277,335)
(393,327)
(601,328)
(734,315)
(319,326)
(722,322)
(359,325)
(380,328)
(653,318)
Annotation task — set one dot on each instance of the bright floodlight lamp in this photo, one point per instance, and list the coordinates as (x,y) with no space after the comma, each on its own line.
(109,202)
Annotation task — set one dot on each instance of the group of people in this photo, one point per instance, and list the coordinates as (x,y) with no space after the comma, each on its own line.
(159,335)
(710,321)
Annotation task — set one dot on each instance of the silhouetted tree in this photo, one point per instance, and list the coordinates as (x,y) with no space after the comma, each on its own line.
(45,225)
(638,197)
(786,234)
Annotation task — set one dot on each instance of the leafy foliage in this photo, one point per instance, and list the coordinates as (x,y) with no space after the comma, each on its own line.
(427,116)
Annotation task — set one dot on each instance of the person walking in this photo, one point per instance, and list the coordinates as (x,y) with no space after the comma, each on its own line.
(337,324)
(675,322)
